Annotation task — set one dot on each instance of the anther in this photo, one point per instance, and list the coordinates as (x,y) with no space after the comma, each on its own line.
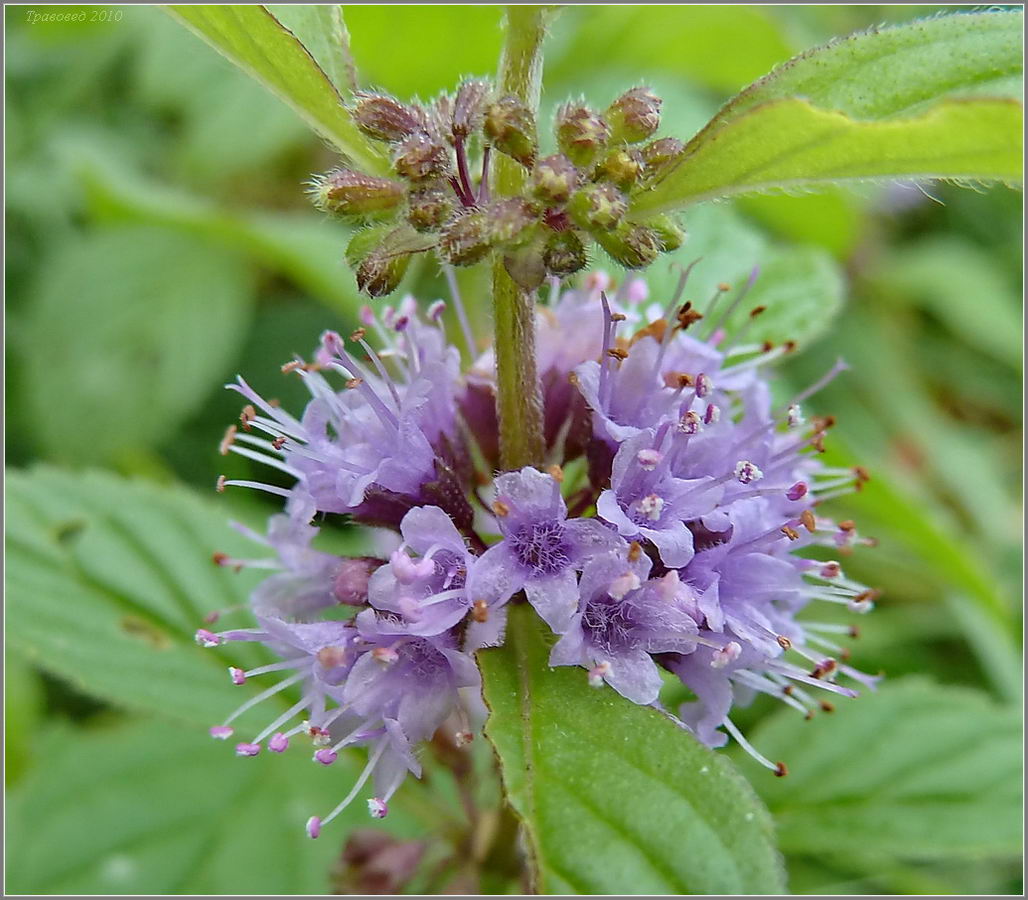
(703,385)
(326,756)
(463,738)
(781,770)
(724,287)
(687,316)
(788,690)
(247,749)
(784,642)
(618,317)
(237,675)
(791,533)
(617,353)
(807,518)
(847,525)
(291,366)
(279,442)
(823,669)
(623,584)
(358,335)
(725,655)
(634,551)
(747,472)
(798,490)
(556,473)
(227,440)
(331,657)
(220,732)
(247,416)
(830,569)
(794,416)
(206,638)
(827,707)
(385,655)
(219,485)
(313,827)
(352,383)
(480,611)
(500,508)
(279,743)
(648,458)
(712,414)
(377,809)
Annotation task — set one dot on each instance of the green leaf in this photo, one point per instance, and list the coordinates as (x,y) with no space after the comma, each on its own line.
(616,798)
(158,809)
(157,344)
(322,31)
(929,99)
(915,771)
(107,581)
(252,38)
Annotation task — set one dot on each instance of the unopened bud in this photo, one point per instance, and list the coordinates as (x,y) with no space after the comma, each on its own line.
(386,119)
(430,205)
(419,157)
(525,265)
(380,257)
(634,116)
(597,207)
(509,219)
(632,246)
(466,240)
(554,178)
(659,157)
(349,193)
(621,167)
(670,235)
(581,133)
(469,108)
(350,587)
(564,254)
(511,129)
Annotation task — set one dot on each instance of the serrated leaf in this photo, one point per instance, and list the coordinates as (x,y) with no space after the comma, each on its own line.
(156,344)
(108,579)
(931,99)
(160,810)
(915,771)
(615,798)
(252,38)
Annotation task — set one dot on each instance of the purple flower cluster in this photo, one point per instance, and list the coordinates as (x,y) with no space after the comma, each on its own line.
(664,537)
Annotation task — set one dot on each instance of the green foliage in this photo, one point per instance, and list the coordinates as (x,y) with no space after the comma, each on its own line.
(157,345)
(617,799)
(873,776)
(108,579)
(160,810)
(255,40)
(927,99)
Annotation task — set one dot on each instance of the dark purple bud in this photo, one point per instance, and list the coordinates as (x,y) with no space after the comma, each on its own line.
(564,254)
(554,178)
(510,127)
(597,207)
(631,245)
(350,586)
(634,116)
(621,167)
(349,193)
(430,205)
(660,156)
(386,119)
(581,133)
(469,108)
(419,157)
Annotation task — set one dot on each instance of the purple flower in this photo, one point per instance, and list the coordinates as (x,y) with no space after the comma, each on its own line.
(541,550)
(623,619)
(646,502)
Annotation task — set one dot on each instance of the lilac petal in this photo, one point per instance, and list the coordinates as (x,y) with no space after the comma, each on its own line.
(608,509)
(634,675)
(425,526)
(489,633)
(495,576)
(570,649)
(674,544)
(531,493)
(555,599)
(590,538)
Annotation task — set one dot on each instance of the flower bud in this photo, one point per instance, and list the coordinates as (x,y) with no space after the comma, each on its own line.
(511,129)
(350,586)
(429,206)
(581,133)
(668,232)
(554,178)
(380,257)
(634,116)
(659,156)
(386,119)
(564,254)
(621,167)
(525,266)
(509,219)
(631,245)
(469,108)
(466,240)
(597,207)
(419,157)
(349,193)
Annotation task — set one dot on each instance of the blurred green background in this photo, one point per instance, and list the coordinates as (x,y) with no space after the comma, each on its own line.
(159,242)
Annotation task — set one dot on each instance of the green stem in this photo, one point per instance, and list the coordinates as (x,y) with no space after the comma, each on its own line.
(519,404)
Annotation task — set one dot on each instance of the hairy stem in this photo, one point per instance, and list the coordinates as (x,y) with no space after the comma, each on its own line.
(519,403)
